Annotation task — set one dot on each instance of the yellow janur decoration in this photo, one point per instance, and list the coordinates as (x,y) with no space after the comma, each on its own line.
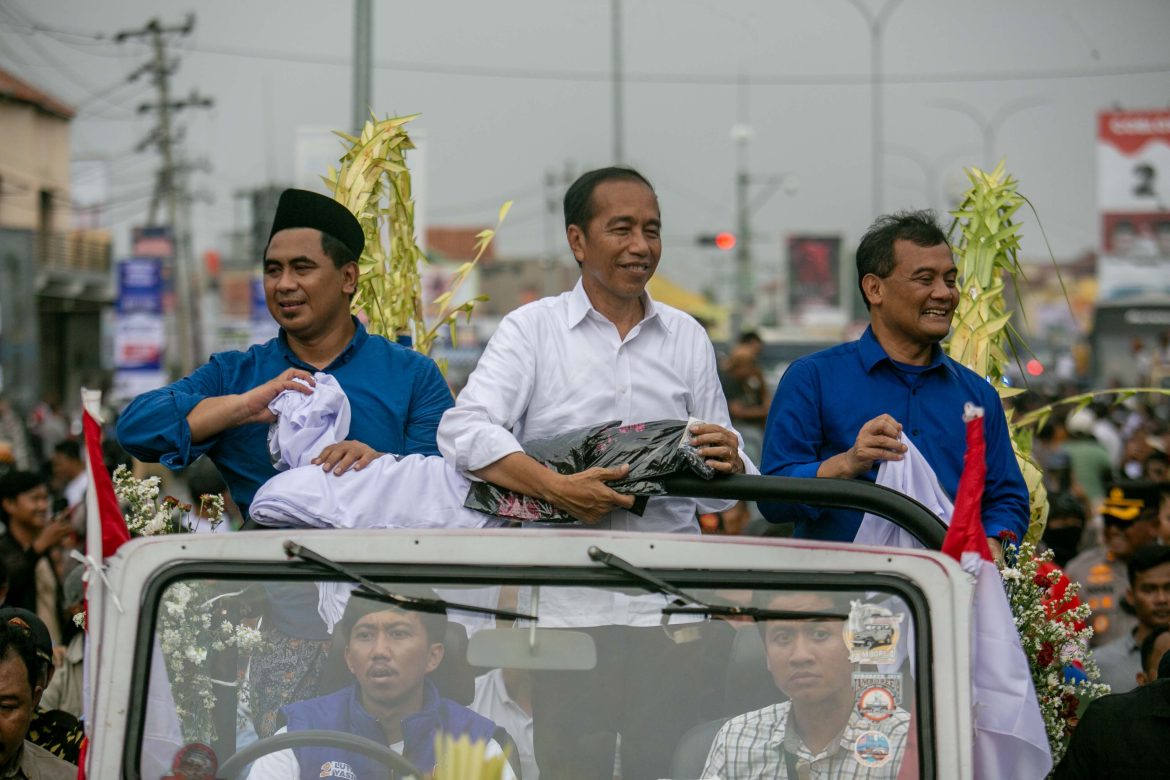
(987,247)
(373,181)
(462,759)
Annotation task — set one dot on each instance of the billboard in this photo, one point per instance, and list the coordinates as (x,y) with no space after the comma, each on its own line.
(139,327)
(814,276)
(1133,200)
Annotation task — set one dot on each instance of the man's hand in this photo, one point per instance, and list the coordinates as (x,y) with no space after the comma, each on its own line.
(718,446)
(214,415)
(996,549)
(876,441)
(254,403)
(55,531)
(344,455)
(585,495)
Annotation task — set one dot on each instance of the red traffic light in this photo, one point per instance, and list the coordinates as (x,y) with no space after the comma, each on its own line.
(725,241)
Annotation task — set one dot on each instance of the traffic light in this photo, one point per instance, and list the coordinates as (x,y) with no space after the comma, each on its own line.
(724,241)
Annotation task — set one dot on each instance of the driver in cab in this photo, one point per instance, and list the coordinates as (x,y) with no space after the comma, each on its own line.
(826,729)
(390,652)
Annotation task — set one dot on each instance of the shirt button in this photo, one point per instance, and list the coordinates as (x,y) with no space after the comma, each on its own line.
(622,389)
(914,432)
(914,391)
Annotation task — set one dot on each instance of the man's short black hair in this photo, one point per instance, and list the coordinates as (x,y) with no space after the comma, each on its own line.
(69,448)
(750,337)
(579,197)
(336,251)
(359,606)
(15,483)
(1146,558)
(1147,646)
(875,253)
(17,641)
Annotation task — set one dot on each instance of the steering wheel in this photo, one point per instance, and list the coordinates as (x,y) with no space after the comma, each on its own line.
(231,768)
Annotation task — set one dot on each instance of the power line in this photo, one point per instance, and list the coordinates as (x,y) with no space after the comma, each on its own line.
(711,79)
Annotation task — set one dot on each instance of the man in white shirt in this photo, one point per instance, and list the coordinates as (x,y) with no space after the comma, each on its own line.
(604,351)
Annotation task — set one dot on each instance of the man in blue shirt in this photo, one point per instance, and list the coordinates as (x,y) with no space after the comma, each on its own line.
(396,395)
(840,412)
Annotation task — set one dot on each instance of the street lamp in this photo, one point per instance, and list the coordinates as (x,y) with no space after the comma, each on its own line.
(988,125)
(931,169)
(876,21)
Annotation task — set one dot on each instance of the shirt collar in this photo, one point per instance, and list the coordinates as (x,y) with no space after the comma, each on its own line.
(359,338)
(579,307)
(871,353)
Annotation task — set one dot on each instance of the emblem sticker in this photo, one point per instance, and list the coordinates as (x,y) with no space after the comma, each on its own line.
(337,769)
(876,703)
(195,761)
(872,748)
(872,633)
(865,680)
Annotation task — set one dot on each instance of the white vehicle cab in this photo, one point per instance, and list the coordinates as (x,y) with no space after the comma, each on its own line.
(181,615)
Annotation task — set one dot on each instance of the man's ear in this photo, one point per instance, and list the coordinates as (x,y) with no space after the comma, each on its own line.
(871,287)
(576,238)
(37,693)
(1129,596)
(436,656)
(349,276)
(1141,678)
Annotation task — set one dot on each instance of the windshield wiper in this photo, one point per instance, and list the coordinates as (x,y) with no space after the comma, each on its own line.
(686,604)
(372,590)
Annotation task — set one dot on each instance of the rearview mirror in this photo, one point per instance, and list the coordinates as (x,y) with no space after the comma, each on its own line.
(532,648)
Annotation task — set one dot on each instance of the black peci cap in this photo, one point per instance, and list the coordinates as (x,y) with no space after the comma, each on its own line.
(304,209)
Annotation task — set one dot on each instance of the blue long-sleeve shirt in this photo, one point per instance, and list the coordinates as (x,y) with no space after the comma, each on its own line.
(396,396)
(824,399)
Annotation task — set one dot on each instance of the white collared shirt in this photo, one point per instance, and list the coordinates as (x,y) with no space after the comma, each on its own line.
(557,364)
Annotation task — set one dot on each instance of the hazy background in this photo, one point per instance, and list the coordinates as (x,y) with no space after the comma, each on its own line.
(509,91)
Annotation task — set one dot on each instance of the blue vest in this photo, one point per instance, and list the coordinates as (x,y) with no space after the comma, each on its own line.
(342,711)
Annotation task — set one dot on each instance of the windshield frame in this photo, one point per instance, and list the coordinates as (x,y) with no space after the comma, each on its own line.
(584,574)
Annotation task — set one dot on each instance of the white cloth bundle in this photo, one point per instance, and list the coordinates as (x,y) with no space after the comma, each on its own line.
(415,491)
(912,476)
(307,424)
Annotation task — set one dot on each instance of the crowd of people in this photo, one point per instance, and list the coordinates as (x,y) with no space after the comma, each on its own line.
(604,350)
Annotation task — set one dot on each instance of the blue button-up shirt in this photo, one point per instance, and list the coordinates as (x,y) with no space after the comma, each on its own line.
(824,399)
(396,396)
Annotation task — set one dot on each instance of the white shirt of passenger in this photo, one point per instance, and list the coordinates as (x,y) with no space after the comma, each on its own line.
(557,364)
(494,703)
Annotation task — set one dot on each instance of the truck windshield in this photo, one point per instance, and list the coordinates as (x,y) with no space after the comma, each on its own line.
(319,677)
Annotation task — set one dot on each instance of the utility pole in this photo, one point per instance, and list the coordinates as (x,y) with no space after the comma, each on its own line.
(555,185)
(363,31)
(615,13)
(187,274)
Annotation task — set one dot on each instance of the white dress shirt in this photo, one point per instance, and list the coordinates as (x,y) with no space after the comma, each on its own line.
(558,364)
(493,701)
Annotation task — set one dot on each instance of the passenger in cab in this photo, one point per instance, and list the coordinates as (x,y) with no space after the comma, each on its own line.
(389,652)
(826,728)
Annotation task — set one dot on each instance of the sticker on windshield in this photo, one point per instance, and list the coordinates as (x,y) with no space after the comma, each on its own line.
(865,680)
(872,633)
(876,703)
(872,748)
(195,761)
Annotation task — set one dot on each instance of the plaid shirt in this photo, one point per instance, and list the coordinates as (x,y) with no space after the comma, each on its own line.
(752,747)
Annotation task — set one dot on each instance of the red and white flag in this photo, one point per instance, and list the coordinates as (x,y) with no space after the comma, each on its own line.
(1010,739)
(105,532)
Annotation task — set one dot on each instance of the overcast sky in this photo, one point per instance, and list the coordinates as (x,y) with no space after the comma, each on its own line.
(511,89)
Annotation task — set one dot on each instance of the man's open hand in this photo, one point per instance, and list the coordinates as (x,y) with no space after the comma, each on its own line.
(718,446)
(344,455)
(586,496)
(254,403)
(877,440)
